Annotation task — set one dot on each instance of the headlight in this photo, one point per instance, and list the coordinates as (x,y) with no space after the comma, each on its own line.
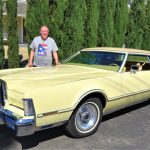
(28,107)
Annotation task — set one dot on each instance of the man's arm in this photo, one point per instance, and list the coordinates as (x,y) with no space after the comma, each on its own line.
(55,55)
(31,58)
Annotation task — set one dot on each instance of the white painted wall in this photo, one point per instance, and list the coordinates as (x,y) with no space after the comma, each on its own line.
(20,29)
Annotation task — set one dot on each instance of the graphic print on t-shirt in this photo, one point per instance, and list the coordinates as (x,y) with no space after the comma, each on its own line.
(42,50)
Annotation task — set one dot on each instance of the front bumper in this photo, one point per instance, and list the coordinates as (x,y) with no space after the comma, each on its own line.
(21,126)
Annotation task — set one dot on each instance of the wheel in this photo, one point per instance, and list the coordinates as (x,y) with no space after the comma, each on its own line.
(86,118)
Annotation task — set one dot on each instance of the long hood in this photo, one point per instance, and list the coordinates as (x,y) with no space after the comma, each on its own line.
(25,79)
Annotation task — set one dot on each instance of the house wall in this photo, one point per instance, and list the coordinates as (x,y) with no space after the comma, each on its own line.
(20,29)
(5,35)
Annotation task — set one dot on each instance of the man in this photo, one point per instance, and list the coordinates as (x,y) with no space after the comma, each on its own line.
(43,47)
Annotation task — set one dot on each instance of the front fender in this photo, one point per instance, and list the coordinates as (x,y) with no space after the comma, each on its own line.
(56,103)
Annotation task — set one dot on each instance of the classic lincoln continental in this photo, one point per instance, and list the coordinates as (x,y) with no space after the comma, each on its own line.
(91,83)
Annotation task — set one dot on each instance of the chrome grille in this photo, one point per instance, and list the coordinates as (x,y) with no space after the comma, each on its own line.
(3,92)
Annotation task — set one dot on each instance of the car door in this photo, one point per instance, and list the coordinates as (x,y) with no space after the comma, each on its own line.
(136,83)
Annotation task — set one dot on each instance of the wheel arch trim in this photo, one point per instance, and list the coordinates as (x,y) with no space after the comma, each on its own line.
(90,93)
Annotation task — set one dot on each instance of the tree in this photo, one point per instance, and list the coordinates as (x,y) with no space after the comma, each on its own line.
(105,24)
(1,36)
(120,22)
(37,15)
(56,13)
(135,29)
(146,38)
(73,27)
(91,23)
(13,48)
(30,22)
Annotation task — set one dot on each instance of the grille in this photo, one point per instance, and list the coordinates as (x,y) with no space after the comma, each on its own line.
(3,92)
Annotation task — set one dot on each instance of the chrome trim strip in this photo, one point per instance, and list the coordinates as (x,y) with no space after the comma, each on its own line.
(65,110)
(134,103)
(91,92)
(47,114)
(130,94)
(24,122)
(124,61)
(54,112)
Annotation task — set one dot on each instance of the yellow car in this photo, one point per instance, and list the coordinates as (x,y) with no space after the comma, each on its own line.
(91,83)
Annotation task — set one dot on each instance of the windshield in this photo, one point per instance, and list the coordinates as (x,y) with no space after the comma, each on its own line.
(99,59)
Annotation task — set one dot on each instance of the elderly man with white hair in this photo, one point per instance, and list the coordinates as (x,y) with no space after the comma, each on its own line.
(42,50)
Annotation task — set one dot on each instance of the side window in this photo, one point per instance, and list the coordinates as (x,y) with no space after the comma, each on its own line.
(137,62)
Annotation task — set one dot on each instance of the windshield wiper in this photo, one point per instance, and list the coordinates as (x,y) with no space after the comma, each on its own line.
(69,58)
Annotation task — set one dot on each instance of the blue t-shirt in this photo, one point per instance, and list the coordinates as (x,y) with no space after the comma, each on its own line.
(43,51)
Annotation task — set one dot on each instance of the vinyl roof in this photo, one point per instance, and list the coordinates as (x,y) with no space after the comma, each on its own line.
(113,49)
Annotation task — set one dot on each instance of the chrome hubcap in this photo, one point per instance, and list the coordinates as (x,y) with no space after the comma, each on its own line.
(87,117)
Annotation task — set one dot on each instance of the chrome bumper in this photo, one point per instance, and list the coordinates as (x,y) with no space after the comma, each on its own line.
(21,126)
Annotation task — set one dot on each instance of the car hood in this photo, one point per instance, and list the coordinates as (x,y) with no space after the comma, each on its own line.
(25,79)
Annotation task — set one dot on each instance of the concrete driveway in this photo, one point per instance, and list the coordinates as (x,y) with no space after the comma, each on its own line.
(128,129)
